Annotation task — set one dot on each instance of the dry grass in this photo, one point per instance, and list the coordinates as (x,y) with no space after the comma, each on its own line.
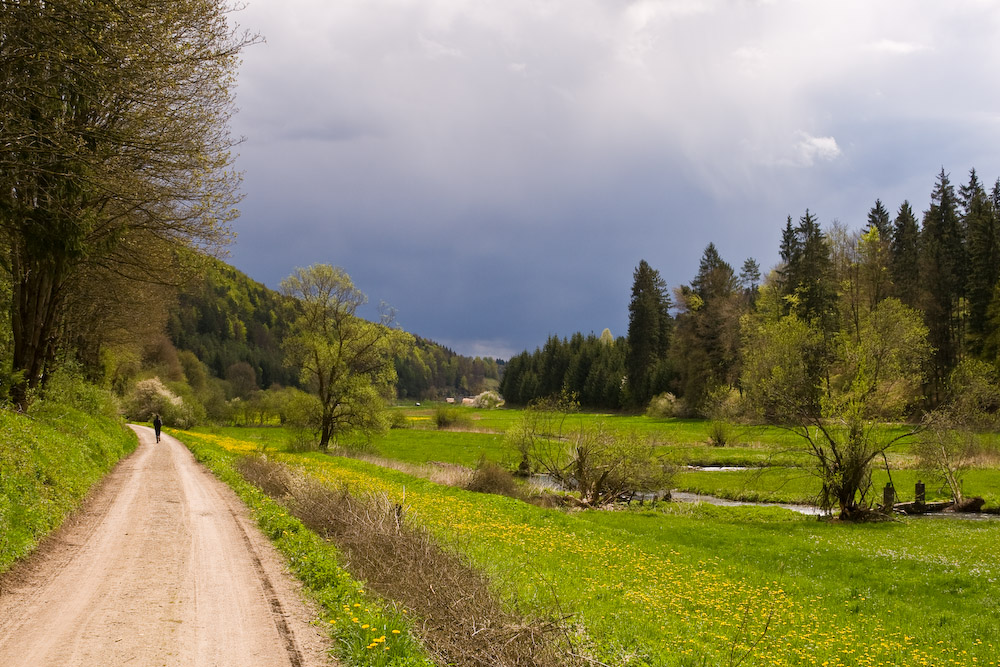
(447,474)
(492,478)
(461,620)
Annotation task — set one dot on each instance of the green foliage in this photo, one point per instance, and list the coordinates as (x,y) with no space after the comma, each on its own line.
(430,371)
(450,416)
(48,462)
(116,141)
(69,388)
(588,367)
(346,361)
(835,404)
(151,397)
(225,318)
(649,330)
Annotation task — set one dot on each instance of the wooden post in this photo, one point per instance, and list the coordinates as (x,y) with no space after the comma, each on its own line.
(888,496)
(919,495)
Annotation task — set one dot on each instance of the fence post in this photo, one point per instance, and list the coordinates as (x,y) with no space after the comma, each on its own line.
(888,496)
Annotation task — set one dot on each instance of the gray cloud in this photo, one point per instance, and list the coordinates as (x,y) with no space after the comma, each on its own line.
(496,170)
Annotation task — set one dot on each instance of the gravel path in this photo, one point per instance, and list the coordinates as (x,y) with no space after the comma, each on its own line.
(162,567)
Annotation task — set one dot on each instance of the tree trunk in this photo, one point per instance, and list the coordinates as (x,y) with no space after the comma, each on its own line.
(35,308)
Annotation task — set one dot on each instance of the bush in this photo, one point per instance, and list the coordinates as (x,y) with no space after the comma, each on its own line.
(301,439)
(150,397)
(448,417)
(719,433)
(68,387)
(662,406)
(492,478)
(488,400)
(398,420)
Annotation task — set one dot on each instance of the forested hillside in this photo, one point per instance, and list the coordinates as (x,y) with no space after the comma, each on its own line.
(234,324)
(226,319)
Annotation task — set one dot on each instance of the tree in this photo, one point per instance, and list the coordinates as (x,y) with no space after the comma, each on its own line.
(874,376)
(982,228)
(113,128)
(951,443)
(942,263)
(599,465)
(750,280)
(705,351)
(649,329)
(345,360)
(904,256)
(806,275)
(878,218)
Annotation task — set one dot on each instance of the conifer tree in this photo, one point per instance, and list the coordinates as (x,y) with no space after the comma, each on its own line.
(649,329)
(904,256)
(943,269)
(705,350)
(878,218)
(750,280)
(982,228)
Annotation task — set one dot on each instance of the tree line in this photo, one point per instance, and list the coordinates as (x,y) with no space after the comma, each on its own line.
(694,342)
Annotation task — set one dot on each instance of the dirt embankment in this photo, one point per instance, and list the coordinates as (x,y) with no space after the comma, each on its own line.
(162,567)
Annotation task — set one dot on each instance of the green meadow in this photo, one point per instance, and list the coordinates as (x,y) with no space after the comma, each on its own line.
(678,584)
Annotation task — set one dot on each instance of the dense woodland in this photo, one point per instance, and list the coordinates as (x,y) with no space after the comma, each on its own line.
(693,342)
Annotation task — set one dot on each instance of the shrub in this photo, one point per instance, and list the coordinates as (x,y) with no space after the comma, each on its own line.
(662,406)
(464,622)
(488,400)
(492,478)
(719,433)
(301,439)
(68,387)
(448,417)
(398,420)
(150,397)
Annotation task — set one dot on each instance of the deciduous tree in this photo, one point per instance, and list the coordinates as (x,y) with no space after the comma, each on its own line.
(113,137)
(873,377)
(346,361)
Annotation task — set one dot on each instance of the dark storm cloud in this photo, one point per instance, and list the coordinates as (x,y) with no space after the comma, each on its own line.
(495,171)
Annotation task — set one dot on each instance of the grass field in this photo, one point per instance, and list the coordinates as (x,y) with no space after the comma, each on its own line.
(781,466)
(701,585)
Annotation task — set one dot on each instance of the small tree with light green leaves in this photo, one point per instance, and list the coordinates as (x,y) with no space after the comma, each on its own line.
(346,361)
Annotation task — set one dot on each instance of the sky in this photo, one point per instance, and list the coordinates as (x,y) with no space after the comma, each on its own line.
(494,170)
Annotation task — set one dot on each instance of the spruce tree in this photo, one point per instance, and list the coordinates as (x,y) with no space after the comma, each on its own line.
(817,297)
(750,280)
(904,256)
(942,269)
(706,342)
(649,329)
(878,218)
(982,228)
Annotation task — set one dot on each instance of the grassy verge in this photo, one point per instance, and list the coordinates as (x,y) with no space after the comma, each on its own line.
(48,462)
(695,585)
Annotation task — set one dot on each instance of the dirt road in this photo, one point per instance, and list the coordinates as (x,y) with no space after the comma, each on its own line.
(163,567)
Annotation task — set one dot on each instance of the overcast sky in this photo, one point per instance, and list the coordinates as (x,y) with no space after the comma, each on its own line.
(496,169)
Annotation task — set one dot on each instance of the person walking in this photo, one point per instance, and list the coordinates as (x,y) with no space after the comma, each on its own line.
(157,425)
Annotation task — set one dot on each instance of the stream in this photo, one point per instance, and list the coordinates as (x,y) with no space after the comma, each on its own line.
(546,482)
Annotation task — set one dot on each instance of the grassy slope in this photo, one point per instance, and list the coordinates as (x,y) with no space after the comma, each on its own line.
(48,463)
(685,586)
